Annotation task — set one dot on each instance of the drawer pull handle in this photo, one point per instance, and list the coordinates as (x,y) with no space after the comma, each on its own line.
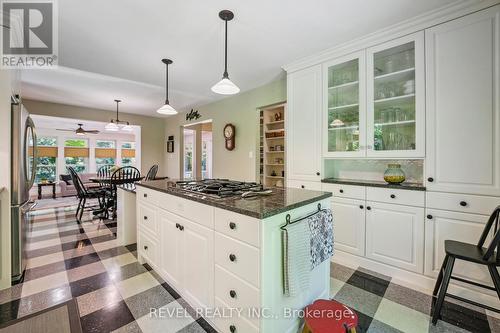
(361,206)
(232,293)
(232,225)
(341,191)
(317,173)
(145,217)
(232,328)
(393,196)
(463,203)
(302,186)
(145,195)
(145,247)
(368,208)
(232,257)
(181,227)
(177,225)
(429,217)
(430,179)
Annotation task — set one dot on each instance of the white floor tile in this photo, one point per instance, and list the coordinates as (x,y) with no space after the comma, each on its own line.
(136,284)
(44,283)
(169,323)
(402,317)
(45,260)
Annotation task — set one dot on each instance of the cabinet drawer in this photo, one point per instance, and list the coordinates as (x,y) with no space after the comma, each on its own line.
(233,322)
(146,218)
(400,197)
(235,292)
(238,226)
(464,203)
(238,258)
(307,185)
(345,191)
(148,248)
(149,196)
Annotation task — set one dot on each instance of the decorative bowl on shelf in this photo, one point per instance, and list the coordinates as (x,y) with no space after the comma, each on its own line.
(394,174)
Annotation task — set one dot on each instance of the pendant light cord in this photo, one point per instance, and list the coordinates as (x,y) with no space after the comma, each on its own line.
(226,75)
(117,119)
(166,85)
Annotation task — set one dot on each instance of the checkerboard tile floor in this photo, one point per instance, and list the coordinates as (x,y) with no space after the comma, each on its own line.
(115,293)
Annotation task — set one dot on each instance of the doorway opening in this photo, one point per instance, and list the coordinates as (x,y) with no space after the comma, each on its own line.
(197,150)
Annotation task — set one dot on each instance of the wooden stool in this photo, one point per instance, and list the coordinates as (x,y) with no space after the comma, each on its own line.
(329,316)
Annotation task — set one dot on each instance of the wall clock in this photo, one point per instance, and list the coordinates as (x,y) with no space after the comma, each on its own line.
(229,132)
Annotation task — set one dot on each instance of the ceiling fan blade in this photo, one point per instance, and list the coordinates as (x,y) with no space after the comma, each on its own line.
(65,130)
(91,131)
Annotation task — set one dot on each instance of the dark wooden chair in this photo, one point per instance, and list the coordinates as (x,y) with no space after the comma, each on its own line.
(124,175)
(104,172)
(151,175)
(83,194)
(474,253)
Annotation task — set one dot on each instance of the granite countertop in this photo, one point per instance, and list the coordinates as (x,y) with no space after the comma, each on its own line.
(261,207)
(374,183)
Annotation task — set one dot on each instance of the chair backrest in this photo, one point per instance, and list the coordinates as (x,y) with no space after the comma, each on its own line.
(495,241)
(81,191)
(104,172)
(126,173)
(151,175)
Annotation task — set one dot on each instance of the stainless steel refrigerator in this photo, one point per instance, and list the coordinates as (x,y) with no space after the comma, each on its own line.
(23,166)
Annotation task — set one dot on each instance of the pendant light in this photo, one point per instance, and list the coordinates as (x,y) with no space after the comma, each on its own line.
(166,109)
(115,124)
(225,86)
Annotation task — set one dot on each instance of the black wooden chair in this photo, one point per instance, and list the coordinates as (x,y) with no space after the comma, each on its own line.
(151,175)
(489,257)
(124,175)
(104,172)
(83,194)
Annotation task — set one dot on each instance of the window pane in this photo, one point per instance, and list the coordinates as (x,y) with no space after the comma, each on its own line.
(78,163)
(104,161)
(46,141)
(128,145)
(46,169)
(76,143)
(128,161)
(105,144)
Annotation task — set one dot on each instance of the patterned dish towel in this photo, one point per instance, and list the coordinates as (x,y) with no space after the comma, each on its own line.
(321,231)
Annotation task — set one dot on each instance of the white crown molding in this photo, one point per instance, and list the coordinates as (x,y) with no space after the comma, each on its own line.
(420,22)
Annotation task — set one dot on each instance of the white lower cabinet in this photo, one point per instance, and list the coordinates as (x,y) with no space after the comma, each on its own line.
(395,235)
(307,185)
(170,261)
(349,226)
(441,225)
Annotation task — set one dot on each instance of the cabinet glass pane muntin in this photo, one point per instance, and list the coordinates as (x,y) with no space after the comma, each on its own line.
(394,98)
(343,107)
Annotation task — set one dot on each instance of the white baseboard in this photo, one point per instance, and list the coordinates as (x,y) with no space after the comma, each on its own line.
(416,281)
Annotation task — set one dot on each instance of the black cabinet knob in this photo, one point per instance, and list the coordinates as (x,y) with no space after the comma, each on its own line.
(430,179)
(393,196)
(463,203)
(302,186)
(341,191)
(232,257)
(317,173)
(177,225)
(145,217)
(429,217)
(232,225)
(181,227)
(232,328)
(361,206)
(232,293)
(145,195)
(145,247)
(368,208)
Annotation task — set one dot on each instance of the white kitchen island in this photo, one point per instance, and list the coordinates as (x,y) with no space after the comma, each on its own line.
(222,254)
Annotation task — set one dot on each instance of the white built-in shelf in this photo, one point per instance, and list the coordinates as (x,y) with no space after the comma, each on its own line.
(276,130)
(344,85)
(275,177)
(276,164)
(275,122)
(275,138)
(395,74)
(343,106)
(275,151)
(392,123)
(394,98)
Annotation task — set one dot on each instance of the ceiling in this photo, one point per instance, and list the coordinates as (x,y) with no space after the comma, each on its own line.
(112,49)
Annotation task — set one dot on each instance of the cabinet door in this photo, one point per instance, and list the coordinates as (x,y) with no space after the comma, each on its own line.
(396,98)
(303,124)
(345,112)
(441,225)
(198,264)
(349,225)
(395,235)
(463,104)
(170,256)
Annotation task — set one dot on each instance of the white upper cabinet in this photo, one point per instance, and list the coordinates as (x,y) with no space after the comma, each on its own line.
(344,121)
(303,124)
(463,104)
(396,98)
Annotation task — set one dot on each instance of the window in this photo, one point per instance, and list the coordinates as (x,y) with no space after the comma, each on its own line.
(105,144)
(47,159)
(188,152)
(128,145)
(76,154)
(102,161)
(105,153)
(128,161)
(128,153)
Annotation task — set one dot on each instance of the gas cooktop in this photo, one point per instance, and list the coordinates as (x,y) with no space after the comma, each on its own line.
(221,188)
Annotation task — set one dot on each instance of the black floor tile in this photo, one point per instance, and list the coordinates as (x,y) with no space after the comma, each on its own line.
(107,319)
(76,245)
(43,251)
(81,260)
(38,272)
(465,318)
(8,311)
(103,238)
(205,325)
(113,252)
(71,232)
(131,247)
(89,284)
(369,283)
(171,291)
(364,322)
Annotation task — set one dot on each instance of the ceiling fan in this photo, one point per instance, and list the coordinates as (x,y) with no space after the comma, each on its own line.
(80,130)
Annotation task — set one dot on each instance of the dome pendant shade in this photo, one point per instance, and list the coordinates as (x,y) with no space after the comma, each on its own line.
(112,127)
(166,109)
(225,86)
(116,124)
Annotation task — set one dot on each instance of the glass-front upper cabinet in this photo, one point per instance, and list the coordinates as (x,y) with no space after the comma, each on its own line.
(344,120)
(395,98)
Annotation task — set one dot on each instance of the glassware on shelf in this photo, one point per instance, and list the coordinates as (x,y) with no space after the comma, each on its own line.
(394,174)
